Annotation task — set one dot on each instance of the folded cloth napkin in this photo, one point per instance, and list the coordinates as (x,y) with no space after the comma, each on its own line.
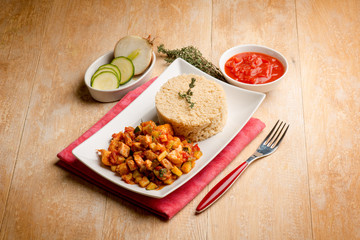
(168,206)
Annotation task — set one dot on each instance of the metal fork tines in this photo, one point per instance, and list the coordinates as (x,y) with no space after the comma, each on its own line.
(271,141)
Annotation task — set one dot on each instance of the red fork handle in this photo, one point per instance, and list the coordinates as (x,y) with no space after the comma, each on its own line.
(220,188)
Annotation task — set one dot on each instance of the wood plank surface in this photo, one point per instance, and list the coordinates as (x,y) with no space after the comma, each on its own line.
(329,53)
(44,202)
(308,189)
(261,192)
(21,35)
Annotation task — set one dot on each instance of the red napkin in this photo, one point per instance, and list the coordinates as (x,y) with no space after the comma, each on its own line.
(168,206)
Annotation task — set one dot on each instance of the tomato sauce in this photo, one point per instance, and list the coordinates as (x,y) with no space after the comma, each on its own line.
(254,68)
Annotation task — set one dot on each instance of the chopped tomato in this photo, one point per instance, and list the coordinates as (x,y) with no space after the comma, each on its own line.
(196,147)
(254,68)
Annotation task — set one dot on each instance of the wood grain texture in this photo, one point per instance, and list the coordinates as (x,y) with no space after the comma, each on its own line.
(20,29)
(331,82)
(271,185)
(44,202)
(308,189)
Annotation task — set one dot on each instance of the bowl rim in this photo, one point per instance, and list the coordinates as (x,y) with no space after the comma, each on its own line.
(222,66)
(121,87)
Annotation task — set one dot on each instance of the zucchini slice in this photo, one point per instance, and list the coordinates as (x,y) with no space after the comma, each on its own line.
(105,81)
(107,68)
(104,70)
(112,66)
(126,67)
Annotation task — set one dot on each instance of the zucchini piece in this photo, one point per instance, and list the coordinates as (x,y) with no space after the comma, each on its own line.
(151,186)
(176,171)
(126,67)
(112,66)
(186,167)
(105,81)
(107,68)
(104,70)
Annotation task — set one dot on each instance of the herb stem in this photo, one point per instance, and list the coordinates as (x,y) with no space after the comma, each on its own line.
(189,93)
(193,56)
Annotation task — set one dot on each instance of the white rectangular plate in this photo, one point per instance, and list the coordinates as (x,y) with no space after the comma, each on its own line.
(241,106)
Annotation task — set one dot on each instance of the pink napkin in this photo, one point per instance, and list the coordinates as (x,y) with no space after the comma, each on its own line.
(168,206)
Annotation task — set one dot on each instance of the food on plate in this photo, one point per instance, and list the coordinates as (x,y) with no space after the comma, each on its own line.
(195,107)
(136,48)
(193,56)
(254,68)
(150,155)
(132,56)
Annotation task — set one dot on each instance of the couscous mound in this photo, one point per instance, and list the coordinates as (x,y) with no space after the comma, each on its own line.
(196,114)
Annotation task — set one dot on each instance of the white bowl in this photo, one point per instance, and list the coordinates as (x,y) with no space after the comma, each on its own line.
(115,94)
(264,87)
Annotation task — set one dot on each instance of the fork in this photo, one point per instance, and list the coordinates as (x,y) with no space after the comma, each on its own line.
(267,147)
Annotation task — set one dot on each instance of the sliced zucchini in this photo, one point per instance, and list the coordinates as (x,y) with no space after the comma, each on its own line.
(112,66)
(105,81)
(107,68)
(126,67)
(104,70)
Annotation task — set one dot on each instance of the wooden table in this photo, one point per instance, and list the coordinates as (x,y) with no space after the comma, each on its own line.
(308,189)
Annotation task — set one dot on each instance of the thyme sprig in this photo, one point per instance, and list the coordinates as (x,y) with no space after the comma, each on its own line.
(189,93)
(193,56)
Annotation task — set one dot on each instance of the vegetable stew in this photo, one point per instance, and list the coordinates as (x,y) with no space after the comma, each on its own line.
(150,155)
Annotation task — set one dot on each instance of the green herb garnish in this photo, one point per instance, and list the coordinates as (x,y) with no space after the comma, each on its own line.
(137,129)
(189,93)
(162,172)
(193,56)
